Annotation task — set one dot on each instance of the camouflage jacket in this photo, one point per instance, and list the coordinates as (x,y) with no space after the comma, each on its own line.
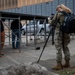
(57,20)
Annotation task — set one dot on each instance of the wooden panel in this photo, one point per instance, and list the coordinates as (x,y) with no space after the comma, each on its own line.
(31,2)
(19,3)
(5,4)
(28,2)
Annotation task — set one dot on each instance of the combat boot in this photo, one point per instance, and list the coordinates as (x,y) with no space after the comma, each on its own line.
(58,67)
(67,64)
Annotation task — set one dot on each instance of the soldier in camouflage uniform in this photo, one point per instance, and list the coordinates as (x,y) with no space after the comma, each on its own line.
(58,20)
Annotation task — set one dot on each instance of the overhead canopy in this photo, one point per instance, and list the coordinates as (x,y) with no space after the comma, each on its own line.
(10,15)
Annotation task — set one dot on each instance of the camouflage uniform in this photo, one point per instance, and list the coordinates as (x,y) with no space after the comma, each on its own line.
(58,39)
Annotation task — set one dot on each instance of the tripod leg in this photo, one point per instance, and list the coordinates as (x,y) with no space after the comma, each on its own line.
(45,44)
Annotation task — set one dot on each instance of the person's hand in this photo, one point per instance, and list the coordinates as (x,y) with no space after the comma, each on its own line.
(48,18)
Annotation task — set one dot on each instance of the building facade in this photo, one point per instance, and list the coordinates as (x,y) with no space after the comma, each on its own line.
(7,4)
(44,8)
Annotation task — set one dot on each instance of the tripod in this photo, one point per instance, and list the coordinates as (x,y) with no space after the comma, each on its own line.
(50,32)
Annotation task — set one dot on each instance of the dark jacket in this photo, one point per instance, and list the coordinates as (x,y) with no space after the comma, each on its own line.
(1,26)
(15,24)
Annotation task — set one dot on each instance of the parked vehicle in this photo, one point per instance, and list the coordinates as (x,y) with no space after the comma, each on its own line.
(38,27)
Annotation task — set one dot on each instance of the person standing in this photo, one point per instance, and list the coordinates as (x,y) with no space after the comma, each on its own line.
(16,33)
(2,37)
(57,21)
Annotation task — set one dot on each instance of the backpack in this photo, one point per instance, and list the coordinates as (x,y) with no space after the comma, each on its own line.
(68,25)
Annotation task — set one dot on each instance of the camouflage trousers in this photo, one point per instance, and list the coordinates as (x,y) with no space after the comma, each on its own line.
(59,47)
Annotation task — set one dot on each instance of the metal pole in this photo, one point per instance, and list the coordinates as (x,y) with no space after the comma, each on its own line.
(45,29)
(30,31)
(9,30)
(26,35)
(19,39)
(34,34)
(0,35)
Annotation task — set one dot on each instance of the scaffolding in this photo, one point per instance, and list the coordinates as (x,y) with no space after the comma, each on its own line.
(11,16)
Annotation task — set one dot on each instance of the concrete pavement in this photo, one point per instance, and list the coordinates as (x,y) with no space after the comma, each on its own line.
(29,54)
